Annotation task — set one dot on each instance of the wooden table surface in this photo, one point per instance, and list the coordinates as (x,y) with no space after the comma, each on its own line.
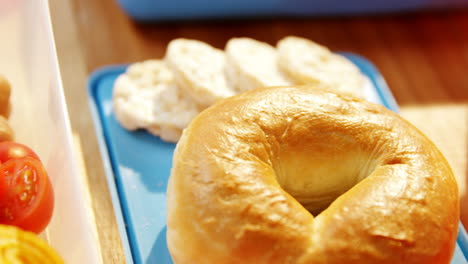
(423,57)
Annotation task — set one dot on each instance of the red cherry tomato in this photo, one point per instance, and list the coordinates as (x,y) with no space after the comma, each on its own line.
(10,150)
(26,195)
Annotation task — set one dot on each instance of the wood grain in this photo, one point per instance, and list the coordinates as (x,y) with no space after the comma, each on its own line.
(423,57)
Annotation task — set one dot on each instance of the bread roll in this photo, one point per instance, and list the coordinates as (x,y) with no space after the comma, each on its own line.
(6,132)
(5,92)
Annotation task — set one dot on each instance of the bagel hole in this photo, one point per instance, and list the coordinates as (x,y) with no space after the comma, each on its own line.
(318,183)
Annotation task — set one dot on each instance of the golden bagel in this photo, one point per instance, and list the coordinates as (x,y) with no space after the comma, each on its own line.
(303,175)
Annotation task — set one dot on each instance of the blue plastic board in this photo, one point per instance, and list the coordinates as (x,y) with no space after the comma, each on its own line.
(138,166)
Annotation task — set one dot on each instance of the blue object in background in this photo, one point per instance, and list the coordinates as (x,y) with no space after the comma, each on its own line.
(157,10)
(138,166)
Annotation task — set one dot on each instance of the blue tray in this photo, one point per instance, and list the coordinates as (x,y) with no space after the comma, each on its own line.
(154,10)
(138,165)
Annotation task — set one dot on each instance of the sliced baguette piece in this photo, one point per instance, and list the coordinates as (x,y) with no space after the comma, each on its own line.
(252,64)
(307,62)
(172,113)
(146,97)
(199,70)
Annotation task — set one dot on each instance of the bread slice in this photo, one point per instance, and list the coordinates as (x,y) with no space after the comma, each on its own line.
(198,70)
(307,62)
(252,64)
(147,97)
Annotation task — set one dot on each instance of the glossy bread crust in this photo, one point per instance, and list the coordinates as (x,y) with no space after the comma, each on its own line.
(248,172)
